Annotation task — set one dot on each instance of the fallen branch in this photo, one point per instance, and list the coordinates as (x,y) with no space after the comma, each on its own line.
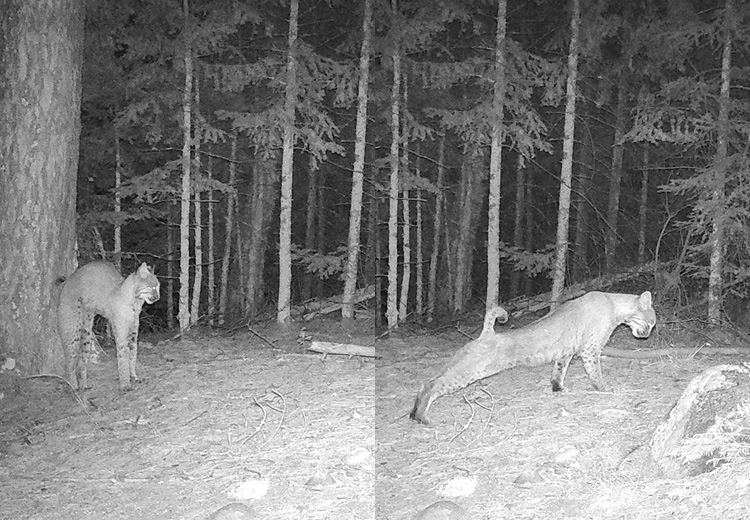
(329,305)
(679,351)
(342,349)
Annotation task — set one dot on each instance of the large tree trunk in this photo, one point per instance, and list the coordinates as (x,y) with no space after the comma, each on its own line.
(310,235)
(720,168)
(566,175)
(496,154)
(355,214)
(197,217)
(285,217)
(41,53)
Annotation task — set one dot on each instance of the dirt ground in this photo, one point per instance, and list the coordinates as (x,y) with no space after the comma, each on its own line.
(229,419)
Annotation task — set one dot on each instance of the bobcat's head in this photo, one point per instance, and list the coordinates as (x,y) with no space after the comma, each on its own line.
(643,318)
(147,284)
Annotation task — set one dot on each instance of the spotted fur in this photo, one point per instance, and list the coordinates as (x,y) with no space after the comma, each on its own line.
(578,327)
(99,288)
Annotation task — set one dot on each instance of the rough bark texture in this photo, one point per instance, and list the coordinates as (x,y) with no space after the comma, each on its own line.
(563,210)
(709,397)
(40,88)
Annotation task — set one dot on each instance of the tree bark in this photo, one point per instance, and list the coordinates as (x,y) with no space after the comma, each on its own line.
(643,208)
(436,233)
(355,214)
(615,176)
(496,154)
(197,217)
(392,309)
(183,314)
(285,217)
(566,175)
(518,234)
(716,240)
(228,230)
(41,54)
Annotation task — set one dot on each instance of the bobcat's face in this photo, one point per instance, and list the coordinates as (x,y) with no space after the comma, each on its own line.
(147,288)
(643,319)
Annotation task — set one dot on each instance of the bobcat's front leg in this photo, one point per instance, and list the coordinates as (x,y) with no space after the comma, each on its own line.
(124,337)
(559,370)
(133,350)
(591,356)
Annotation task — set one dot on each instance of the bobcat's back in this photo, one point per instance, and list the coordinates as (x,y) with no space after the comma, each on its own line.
(99,288)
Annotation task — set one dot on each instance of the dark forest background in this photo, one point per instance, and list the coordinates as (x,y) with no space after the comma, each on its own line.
(645,154)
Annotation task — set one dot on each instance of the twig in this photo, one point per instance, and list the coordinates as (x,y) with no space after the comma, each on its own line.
(283,414)
(468,423)
(60,378)
(261,337)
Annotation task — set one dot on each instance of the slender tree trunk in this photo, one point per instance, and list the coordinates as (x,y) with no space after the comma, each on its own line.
(392,310)
(285,217)
(310,235)
(528,242)
(496,154)
(615,179)
(183,315)
(643,209)
(520,211)
(117,239)
(228,230)
(170,272)
(563,211)
(581,236)
(198,216)
(468,207)
(355,214)
(211,296)
(41,54)
(437,226)
(418,231)
(716,239)
(406,236)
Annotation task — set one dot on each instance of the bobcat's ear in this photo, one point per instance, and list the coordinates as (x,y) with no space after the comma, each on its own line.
(143,270)
(644,302)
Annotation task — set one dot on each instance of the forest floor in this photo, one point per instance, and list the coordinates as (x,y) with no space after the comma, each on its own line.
(223,419)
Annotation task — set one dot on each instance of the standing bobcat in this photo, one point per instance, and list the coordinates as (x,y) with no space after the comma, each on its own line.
(581,326)
(99,288)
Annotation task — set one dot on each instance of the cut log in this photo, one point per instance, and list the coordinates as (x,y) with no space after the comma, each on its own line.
(705,403)
(342,349)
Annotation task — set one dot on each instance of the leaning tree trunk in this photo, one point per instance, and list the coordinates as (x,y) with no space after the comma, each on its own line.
(496,154)
(228,231)
(355,214)
(563,209)
(519,212)
(719,218)
(41,53)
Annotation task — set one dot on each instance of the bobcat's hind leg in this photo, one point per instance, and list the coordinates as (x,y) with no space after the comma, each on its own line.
(133,351)
(560,368)
(84,350)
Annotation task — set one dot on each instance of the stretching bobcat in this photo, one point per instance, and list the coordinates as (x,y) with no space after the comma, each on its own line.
(98,288)
(581,326)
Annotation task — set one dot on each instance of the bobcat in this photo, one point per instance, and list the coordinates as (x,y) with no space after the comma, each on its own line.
(99,288)
(581,326)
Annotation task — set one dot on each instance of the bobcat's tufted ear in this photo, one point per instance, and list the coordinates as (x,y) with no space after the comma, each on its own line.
(644,301)
(143,270)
